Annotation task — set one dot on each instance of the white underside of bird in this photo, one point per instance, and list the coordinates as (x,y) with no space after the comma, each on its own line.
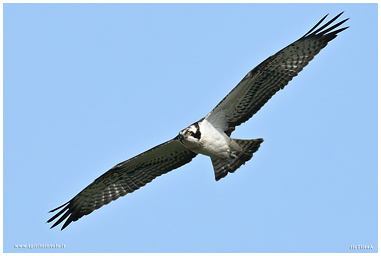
(213,142)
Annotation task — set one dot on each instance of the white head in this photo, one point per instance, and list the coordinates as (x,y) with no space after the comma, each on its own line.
(191,136)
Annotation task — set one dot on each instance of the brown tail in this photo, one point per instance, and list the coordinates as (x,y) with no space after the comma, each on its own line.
(223,166)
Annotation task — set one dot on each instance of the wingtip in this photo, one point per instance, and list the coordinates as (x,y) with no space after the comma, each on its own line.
(338,15)
(67,222)
(55,224)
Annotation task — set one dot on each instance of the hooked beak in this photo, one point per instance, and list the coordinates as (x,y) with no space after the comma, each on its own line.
(180,137)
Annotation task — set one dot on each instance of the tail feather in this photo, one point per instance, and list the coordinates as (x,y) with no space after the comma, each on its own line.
(223,166)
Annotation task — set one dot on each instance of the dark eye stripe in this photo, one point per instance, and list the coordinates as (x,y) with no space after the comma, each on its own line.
(197,135)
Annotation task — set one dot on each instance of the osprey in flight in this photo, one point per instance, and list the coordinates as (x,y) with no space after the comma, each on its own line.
(209,136)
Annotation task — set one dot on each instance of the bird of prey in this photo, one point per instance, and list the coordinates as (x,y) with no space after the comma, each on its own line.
(210,135)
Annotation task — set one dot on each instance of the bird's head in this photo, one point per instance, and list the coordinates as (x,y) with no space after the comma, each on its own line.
(190,136)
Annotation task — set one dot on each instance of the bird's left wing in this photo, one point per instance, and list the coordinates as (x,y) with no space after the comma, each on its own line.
(273,74)
(124,178)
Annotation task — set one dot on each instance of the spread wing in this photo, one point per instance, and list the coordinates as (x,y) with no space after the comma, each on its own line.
(124,178)
(273,74)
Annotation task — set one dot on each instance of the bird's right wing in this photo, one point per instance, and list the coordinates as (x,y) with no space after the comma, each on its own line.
(124,178)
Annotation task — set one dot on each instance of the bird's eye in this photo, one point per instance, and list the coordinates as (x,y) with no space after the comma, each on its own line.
(188,133)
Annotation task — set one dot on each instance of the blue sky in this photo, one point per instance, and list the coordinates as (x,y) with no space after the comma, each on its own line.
(87,86)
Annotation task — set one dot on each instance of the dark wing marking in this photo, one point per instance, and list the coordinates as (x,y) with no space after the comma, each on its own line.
(273,74)
(124,178)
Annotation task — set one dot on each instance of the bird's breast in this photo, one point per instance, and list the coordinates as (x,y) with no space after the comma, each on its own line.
(214,143)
